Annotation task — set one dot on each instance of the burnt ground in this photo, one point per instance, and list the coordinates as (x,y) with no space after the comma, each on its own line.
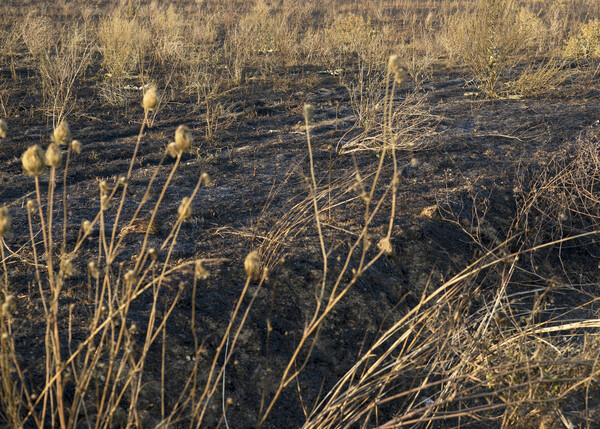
(479,150)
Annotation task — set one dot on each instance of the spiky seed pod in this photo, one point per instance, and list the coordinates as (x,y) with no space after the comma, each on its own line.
(183,138)
(185,209)
(93,269)
(153,253)
(3,128)
(150,100)
(62,134)
(31,206)
(252,265)
(53,155)
(394,64)
(172,150)
(309,112)
(34,160)
(4,221)
(131,278)
(200,272)
(76,146)
(87,227)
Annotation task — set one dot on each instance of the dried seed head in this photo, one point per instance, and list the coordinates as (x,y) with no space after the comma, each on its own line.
(9,305)
(252,265)
(87,227)
(123,180)
(131,278)
(150,99)
(3,128)
(62,134)
(103,187)
(93,269)
(309,112)
(183,138)
(172,150)
(206,179)
(201,272)
(31,206)
(185,209)
(133,329)
(76,146)
(53,155)
(394,64)
(67,268)
(34,160)
(4,221)
(153,253)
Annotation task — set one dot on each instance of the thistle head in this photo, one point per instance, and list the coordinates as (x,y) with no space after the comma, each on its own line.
(150,100)
(3,128)
(4,221)
(252,265)
(53,155)
(62,134)
(34,160)
(183,138)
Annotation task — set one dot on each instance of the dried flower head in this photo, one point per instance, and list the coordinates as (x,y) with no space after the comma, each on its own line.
(394,64)
(9,305)
(62,134)
(4,221)
(34,160)
(150,100)
(53,155)
(131,278)
(206,179)
(153,253)
(76,146)
(31,206)
(103,187)
(3,128)
(183,138)
(87,227)
(252,265)
(172,150)
(185,209)
(200,272)
(67,268)
(93,269)
(309,112)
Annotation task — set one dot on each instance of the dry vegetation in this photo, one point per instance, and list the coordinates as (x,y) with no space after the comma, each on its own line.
(223,213)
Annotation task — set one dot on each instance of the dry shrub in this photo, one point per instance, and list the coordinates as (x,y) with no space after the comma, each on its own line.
(123,43)
(537,79)
(586,43)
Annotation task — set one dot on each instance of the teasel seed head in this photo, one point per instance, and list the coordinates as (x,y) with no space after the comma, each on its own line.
(53,155)
(34,160)
(76,146)
(183,138)
(200,272)
(87,227)
(309,112)
(3,128)
(252,265)
(4,221)
(31,206)
(62,134)
(93,269)
(131,278)
(172,150)
(185,209)
(153,253)
(150,100)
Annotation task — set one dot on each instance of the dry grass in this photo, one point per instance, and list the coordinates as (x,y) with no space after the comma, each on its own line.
(491,344)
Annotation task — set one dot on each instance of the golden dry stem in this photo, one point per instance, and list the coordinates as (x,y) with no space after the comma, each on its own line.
(4,221)
(183,138)
(150,100)
(3,128)
(53,155)
(34,160)
(252,265)
(62,134)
